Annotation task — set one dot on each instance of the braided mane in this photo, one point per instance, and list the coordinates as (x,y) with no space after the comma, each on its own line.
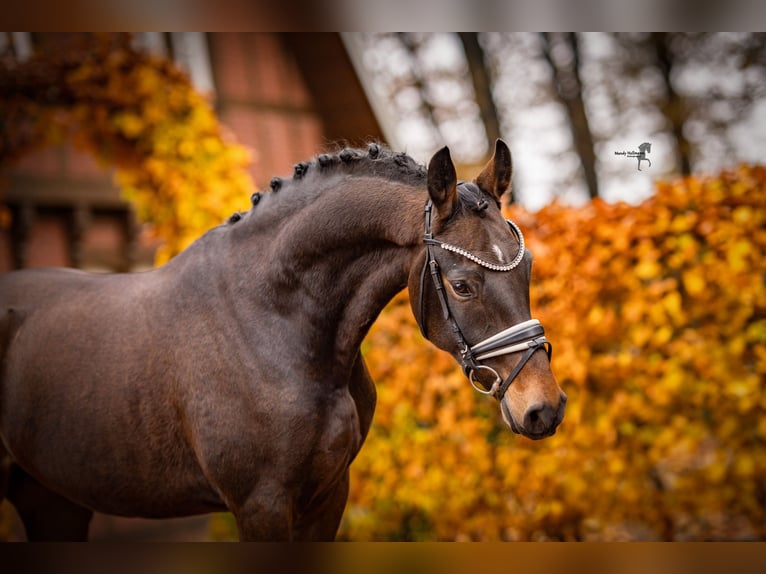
(376,160)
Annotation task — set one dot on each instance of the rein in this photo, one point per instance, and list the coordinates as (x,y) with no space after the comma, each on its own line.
(528,336)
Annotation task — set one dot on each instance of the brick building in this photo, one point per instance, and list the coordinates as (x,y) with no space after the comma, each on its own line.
(286,96)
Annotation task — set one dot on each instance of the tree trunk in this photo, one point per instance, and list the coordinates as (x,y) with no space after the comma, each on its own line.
(673,108)
(566,80)
(482,85)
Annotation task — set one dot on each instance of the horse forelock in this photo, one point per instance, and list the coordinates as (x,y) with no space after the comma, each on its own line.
(472,198)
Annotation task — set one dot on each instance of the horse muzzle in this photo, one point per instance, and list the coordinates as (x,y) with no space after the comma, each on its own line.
(540,420)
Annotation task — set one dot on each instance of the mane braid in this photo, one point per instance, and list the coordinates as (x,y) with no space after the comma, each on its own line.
(375,160)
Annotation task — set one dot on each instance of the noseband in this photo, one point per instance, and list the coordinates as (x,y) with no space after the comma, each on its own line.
(528,336)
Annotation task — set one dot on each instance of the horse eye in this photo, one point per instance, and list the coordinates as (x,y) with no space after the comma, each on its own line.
(461,288)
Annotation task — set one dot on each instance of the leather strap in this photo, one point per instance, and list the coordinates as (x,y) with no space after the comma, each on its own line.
(528,336)
(533,346)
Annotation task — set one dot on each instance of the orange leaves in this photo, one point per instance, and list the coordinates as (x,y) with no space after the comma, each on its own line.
(141,114)
(656,313)
(694,281)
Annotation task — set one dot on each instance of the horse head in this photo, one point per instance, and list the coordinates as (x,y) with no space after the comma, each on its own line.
(469,290)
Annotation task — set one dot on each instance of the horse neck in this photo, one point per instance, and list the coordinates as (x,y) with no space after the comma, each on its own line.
(332,266)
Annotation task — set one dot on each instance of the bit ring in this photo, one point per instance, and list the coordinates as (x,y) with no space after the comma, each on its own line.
(478,386)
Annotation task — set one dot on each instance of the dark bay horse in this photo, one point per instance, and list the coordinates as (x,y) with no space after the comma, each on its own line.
(232,379)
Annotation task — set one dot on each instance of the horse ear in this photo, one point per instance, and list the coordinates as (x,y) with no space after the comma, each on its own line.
(495,179)
(442,183)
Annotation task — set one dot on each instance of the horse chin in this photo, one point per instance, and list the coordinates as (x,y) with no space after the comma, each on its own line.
(508,417)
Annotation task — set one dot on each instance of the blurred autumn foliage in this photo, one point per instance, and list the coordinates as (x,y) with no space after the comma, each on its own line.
(139,113)
(657,314)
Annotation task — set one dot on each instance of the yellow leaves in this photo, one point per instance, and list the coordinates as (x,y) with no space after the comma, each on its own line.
(672,303)
(211,146)
(683,222)
(662,335)
(716,472)
(745,466)
(187,163)
(756,331)
(738,255)
(648,269)
(596,315)
(744,215)
(128,124)
(142,115)
(148,79)
(656,317)
(694,282)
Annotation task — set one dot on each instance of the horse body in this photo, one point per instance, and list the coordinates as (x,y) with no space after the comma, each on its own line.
(231,378)
(190,370)
(58,417)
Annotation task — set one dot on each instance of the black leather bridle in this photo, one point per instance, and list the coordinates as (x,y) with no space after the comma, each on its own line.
(528,336)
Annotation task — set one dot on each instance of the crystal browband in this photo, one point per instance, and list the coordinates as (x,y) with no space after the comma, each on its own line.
(492,266)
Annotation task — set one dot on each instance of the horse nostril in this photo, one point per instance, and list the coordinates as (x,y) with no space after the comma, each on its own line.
(539,417)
